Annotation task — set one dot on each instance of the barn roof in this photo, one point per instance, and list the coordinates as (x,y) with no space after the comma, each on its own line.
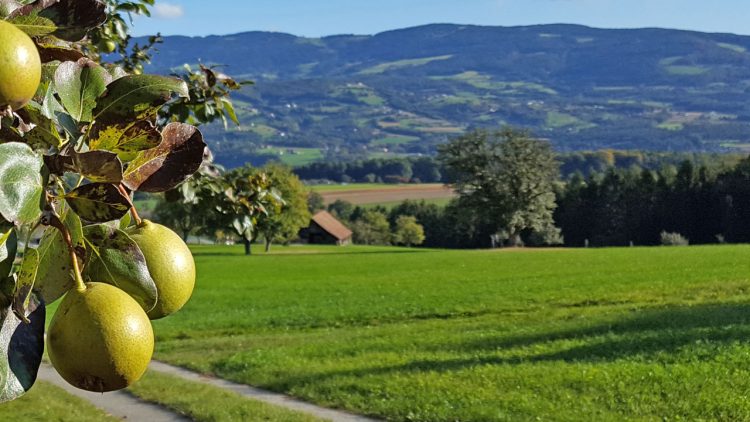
(331,225)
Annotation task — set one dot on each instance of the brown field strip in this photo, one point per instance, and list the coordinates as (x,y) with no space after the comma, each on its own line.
(394,194)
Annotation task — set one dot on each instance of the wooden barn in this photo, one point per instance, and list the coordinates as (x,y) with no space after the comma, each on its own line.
(325,229)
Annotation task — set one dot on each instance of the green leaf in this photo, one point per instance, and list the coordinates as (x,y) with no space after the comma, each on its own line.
(21,183)
(124,222)
(78,85)
(53,110)
(98,166)
(34,25)
(178,156)
(54,276)
(44,134)
(125,138)
(25,283)
(21,349)
(136,97)
(229,108)
(98,202)
(116,259)
(8,249)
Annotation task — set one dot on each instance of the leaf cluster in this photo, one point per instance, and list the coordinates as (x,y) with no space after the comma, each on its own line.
(237,201)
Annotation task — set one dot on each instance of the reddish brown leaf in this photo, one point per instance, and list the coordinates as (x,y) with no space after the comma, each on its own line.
(177,157)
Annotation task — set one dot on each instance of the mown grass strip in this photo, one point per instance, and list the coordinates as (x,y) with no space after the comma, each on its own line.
(45,402)
(203,402)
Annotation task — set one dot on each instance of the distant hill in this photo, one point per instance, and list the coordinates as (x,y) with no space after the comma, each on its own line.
(405,91)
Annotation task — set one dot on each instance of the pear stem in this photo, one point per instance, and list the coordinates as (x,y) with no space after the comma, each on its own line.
(56,223)
(133,211)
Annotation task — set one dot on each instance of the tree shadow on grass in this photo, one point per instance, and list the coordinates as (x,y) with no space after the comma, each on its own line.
(645,334)
(661,327)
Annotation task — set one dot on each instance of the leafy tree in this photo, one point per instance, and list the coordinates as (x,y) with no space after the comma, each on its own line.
(506,178)
(190,208)
(246,197)
(283,223)
(315,202)
(430,216)
(408,232)
(177,215)
(341,209)
(372,228)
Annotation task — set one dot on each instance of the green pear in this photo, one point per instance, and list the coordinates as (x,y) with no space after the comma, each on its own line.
(170,263)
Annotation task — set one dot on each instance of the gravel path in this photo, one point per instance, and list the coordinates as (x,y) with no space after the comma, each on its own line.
(276,399)
(119,403)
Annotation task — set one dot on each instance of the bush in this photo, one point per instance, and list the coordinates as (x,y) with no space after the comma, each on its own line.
(673,239)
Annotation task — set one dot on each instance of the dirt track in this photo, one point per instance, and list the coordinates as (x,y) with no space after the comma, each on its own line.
(394,194)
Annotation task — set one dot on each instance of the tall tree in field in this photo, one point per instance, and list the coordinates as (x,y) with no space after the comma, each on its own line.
(506,178)
(283,223)
(248,199)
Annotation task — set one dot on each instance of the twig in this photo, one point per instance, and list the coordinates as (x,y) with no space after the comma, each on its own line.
(133,211)
(55,222)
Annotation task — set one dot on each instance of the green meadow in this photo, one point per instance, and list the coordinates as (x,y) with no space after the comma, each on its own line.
(433,335)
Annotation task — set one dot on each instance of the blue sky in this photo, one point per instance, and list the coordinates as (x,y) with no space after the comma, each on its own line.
(315,18)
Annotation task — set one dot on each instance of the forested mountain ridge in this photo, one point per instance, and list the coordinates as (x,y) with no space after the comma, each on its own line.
(404,91)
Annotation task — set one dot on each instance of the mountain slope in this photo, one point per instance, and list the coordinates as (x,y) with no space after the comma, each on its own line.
(404,91)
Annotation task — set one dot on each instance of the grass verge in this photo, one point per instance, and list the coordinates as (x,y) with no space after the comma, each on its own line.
(207,403)
(46,402)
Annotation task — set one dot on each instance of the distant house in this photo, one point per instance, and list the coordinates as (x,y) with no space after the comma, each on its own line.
(325,229)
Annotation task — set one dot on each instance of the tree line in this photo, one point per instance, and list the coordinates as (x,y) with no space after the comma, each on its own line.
(510,192)
(635,206)
(428,169)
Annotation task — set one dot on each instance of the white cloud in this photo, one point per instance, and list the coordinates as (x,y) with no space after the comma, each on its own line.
(168,11)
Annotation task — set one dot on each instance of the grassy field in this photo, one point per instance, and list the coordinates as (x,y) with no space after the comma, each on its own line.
(429,335)
(294,156)
(394,140)
(380,68)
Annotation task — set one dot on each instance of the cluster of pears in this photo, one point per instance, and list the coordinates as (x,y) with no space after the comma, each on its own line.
(100,339)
